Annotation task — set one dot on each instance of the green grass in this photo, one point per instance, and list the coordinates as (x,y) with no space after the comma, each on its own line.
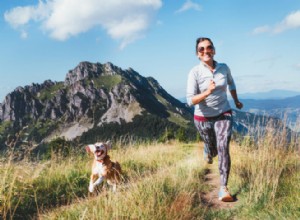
(49,93)
(164,188)
(267,175)
(160,181)
(174,117)
(177,119)
(107,81)
(4,125)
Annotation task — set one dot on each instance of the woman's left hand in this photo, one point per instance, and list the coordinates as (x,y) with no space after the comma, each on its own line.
(238,104)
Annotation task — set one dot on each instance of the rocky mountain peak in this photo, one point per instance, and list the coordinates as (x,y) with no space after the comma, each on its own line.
(93,94)
(86,70)
(110,69)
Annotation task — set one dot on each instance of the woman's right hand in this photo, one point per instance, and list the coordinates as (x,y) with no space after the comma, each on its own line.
(200,97)
(211,87)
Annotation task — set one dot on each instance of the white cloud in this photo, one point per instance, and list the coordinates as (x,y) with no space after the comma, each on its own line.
(262,29)
(124,20)
(291,21)
(20,16)
(189,5)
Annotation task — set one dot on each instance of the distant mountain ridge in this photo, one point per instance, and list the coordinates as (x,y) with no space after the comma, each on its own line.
(272,94)
(269,104)
(287,109)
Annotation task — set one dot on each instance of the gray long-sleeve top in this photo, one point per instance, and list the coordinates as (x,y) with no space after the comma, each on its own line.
(198,81)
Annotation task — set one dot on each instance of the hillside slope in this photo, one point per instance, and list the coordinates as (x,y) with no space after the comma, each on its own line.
(92,96)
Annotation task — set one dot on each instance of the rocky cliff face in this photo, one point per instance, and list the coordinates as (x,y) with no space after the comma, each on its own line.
(91,95)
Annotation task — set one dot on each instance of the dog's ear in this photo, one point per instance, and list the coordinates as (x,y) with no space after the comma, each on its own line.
(109,145)
(90,148)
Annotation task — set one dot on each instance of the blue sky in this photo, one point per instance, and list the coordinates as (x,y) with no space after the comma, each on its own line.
(259,40)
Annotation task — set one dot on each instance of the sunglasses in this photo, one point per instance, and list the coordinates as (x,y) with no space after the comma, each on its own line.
(209,48)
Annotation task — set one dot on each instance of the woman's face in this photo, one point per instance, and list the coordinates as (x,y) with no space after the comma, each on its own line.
(206,51)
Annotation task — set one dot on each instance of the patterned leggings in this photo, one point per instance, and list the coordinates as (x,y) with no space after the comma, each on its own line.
(216,134)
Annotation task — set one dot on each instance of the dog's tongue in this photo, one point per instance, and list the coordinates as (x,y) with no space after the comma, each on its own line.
(99,153)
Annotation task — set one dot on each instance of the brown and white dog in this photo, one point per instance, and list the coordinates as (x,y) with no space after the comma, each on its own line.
(103,168)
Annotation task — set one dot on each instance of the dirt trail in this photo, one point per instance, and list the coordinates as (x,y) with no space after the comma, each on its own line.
(211,198)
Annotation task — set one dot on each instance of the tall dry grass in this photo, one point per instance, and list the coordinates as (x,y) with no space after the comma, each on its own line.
(160,181)
(163,182)
(267,169)
(27,187)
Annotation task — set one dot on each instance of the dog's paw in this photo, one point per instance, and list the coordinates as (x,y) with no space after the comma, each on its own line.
(114,189)
(91,188)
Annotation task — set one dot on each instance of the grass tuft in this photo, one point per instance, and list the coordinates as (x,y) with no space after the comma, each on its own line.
(160,181)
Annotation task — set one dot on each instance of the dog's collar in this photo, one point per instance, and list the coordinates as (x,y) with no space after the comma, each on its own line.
(102,160)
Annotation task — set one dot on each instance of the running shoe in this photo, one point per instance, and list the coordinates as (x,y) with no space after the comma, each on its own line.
(224,195)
